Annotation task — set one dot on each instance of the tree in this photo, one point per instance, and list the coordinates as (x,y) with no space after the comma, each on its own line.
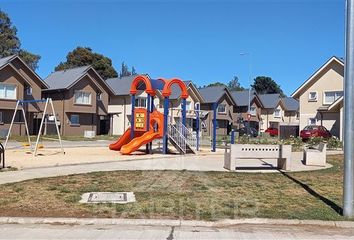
(216,84)
(83,56)
(124,72)
(234,85)
(10,43)
(133,71)
(264,85)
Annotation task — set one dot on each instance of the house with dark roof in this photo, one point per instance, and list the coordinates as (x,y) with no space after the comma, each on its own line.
(321,97)
(19,82)
(242,114)
(120,103)
(278,111)
(217,99)
(80,97)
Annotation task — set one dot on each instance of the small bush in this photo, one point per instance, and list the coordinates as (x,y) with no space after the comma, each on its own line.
(315,141)
(334,143)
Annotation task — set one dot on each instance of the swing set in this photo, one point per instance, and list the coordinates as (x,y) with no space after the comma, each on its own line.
(20,105)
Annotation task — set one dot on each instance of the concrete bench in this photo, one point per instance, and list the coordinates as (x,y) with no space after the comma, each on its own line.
(317,156)
(254,151)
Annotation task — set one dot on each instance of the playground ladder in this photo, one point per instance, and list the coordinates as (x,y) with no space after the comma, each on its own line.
(182,137)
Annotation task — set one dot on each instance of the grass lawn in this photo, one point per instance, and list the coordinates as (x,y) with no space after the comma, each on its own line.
(184,194)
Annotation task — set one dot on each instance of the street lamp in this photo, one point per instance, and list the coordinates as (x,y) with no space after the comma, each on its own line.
(249,89)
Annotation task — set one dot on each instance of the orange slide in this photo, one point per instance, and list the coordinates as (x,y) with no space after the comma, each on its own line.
(123,140)
(141,138)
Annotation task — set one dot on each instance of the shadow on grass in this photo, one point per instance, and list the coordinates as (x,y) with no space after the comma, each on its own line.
(328,202)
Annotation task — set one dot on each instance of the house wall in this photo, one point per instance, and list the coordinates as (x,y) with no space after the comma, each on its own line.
(89,115)
(21,77)
(330,78)
(223,119)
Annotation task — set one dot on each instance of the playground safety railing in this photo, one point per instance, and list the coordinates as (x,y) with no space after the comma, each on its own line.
(188,134)
(177,137)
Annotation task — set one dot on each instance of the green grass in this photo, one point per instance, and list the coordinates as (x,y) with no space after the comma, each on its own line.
(184,194)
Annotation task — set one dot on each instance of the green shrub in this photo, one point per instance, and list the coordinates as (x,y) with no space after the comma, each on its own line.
(315,141)
(334,143)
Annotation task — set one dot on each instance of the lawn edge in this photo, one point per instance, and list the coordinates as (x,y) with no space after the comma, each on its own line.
(169,222)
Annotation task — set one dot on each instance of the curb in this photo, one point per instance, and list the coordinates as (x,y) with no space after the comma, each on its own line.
(170,223)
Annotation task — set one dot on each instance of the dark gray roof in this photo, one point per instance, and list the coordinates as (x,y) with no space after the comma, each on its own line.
(241,97)
(6,60)
(212,94)
(290,104)
(269,100)
(121,86)
(65,78)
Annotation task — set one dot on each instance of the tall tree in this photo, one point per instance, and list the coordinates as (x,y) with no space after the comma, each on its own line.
(264,85)
(83,56)
(10,44)
(234,85)
(124,72)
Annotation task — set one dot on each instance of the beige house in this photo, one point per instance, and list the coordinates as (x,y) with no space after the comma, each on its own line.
(278,111)
(320,97)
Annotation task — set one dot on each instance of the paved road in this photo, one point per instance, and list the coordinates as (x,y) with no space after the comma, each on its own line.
(19,231)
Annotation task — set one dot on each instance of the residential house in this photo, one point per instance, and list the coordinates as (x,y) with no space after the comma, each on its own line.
(320,97)
(278,111)
(120,104)
(242,114)
(19,82)
(224,101)
(80,97)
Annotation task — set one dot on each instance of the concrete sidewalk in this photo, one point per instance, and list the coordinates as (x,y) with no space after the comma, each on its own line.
(47,228)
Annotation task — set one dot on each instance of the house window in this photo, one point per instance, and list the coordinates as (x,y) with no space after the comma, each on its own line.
(140,102)
(297,115)
(1,118)
(253,111)
(222,108)
(74,119)
(331,96)
(188,105)
(99,96)
(313,96)
(82,97)
(312,121)
(29,91)
(277,113)
(7,91)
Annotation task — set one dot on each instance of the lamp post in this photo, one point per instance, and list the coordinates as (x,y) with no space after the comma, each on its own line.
(249,89)
(348,190)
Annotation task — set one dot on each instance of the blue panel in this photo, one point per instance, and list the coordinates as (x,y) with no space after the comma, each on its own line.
(184,104)
(232,136)
(32,101)
(132,118)
(165,122)
(215,106)
(197,123)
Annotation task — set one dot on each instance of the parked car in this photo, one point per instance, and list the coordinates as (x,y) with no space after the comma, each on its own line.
(314,131)
(243,131)
(272,131)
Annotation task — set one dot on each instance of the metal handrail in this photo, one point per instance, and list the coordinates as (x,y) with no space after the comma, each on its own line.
(188,135)
(177,137)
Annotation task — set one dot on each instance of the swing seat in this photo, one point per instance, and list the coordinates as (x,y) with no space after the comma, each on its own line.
(25,145)
(40,146)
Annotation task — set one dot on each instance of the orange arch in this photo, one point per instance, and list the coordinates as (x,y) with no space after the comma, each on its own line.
(146,80)
(166,92)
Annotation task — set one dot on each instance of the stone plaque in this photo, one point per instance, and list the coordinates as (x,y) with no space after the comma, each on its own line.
(108,197)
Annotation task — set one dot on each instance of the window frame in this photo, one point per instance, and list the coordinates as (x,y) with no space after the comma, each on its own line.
(138,100)
(253,112)
(313,99)
(15,91)
(280,113)
(29,91)
(82,92)
(219,112)
(99,96)
(78,120)
(335,99)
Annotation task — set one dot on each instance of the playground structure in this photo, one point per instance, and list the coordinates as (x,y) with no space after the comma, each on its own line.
(149,124)
(20,105)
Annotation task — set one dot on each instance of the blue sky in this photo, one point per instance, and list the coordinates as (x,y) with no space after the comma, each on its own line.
(194,40)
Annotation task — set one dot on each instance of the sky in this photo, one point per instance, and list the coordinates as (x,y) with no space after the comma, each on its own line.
(287,40)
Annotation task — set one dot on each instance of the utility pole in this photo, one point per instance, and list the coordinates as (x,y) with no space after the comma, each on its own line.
(348,191)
